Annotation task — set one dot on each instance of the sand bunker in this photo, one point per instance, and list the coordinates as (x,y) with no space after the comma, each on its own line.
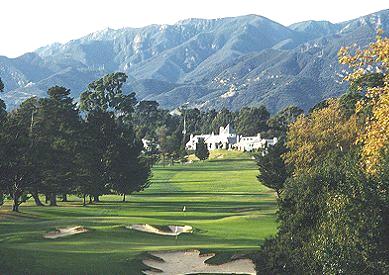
(191,262)
(173,230)
(63,232)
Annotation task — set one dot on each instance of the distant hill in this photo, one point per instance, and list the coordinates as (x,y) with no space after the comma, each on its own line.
(230,62)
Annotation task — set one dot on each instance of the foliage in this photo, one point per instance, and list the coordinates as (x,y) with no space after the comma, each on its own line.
(18,167)
(310,138)
(47,147)
(115,162)
(147,117)
(223,117)
(272,169)
(201,151)
(251,121)
(55,128)
(369,75)
(332,215)
(106,94)
(129,171)
(278,124)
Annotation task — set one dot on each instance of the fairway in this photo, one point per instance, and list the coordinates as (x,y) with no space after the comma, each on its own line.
(229,210)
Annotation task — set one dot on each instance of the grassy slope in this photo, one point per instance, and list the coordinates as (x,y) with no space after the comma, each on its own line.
(229,210)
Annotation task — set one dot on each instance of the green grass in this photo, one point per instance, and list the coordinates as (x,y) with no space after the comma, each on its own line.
(231,213)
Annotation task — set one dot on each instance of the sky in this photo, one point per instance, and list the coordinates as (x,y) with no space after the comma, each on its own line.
(26,25)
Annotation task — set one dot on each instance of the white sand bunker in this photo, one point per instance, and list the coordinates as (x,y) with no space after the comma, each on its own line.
(63,232)
(191,262)
(173,230)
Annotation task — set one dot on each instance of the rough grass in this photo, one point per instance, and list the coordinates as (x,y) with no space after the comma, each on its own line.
(231,213)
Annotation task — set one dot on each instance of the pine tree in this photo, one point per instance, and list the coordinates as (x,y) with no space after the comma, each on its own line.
(201,150)
(272,169)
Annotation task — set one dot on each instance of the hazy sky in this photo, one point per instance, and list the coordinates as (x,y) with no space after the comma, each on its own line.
(28,24)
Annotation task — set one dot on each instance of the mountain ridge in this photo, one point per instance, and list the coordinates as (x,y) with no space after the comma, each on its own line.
(229,62)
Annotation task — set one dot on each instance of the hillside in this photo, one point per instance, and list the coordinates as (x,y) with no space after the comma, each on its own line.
(228,62)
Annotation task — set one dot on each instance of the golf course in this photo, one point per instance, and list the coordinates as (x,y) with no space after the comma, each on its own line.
(230,212)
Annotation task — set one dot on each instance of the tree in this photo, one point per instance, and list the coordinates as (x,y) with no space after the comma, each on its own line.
(334,211)
(330,222)
(251,121)
(223,117)
(201,152)
(56,128)
(310,138)
(25,115)
(278,124)
(19,172)
(106,95)
(147,117)
(169,144)
(332,215)
(114,161)
(130,171)
(96,152)
(272,169)
(369,75)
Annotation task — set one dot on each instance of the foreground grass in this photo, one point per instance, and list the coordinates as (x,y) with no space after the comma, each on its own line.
(230,211)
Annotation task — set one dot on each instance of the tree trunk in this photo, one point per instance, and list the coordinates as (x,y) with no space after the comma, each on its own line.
(37,200)
(96,198)
(53,199)
(84,202)
(16,203)
(15,206)
(90,200)
(64,198)
(124,197)
(47,199)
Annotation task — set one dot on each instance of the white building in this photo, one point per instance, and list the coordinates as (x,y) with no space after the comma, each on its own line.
(228,139)
(254,143)
(224,140)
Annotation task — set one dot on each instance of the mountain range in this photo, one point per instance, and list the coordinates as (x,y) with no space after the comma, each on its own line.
(206,63)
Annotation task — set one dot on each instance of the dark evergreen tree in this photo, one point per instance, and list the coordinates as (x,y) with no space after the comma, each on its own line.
(272,169)
(56,128)
(278,124)
(147,118)
(19,173)
(251,121)
(332,222)
(130,171)
(223,117)
(202,152)
(115,162)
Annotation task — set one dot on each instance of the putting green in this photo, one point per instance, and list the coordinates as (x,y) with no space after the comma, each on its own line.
(228,209)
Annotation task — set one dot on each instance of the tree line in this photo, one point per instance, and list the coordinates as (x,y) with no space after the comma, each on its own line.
(53,147)
(331,175)
(166,135)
